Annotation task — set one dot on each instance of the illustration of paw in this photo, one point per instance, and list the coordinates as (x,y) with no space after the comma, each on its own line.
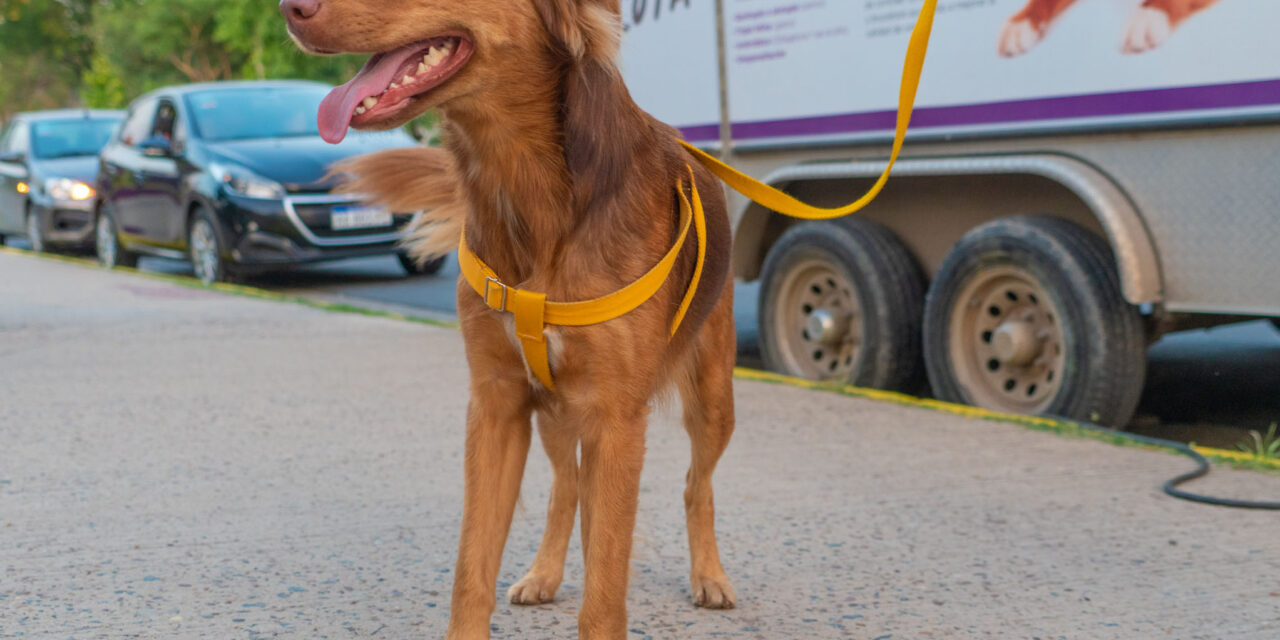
(1148,28)
(1018,37)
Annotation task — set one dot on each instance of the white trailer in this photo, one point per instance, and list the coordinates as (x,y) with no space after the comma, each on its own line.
(1069,190)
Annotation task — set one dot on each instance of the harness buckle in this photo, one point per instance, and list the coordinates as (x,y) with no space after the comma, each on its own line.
(495,281)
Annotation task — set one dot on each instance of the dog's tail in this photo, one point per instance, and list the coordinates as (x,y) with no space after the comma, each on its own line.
(414,179)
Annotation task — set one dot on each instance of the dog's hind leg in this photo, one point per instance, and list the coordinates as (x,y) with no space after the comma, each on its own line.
(706,388)
(498,434)
(561,444)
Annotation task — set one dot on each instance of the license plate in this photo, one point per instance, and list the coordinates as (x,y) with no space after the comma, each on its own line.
(357,217)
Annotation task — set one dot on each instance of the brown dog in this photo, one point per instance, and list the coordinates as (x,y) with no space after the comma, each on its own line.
(567,188)
(1148,28)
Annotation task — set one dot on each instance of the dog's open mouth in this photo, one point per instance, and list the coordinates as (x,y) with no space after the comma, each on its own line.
(389,82)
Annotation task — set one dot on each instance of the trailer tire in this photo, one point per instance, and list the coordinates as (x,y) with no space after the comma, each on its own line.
(1026,315)
(843,300)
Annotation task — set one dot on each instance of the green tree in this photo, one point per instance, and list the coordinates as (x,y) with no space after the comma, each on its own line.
(102,86)
(155,43)
(43,46)
(255,32)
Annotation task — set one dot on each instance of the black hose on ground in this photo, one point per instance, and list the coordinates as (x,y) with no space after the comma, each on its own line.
(1201,470)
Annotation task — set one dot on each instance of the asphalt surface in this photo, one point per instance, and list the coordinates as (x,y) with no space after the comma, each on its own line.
(1205,386)
(181,463)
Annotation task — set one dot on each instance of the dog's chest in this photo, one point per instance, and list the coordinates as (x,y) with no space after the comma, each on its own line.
(555,346)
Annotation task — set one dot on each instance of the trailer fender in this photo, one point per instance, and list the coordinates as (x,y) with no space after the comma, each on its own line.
(1126,231)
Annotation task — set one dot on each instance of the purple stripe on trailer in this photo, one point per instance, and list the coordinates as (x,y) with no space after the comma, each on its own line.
(1151,101)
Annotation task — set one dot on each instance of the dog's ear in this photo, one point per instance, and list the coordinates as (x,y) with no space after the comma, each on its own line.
(602,131)
(585,29)
(601,127)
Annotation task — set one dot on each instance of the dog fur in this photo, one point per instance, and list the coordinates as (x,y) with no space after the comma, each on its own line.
(1149,26)
(568,188)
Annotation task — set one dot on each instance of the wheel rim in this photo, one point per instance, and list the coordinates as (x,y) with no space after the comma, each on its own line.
(818,321)
(204,252)
(106,240)
(1007,342)
(33,233)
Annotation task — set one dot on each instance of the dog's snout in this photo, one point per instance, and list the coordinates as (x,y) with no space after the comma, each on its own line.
(299,9)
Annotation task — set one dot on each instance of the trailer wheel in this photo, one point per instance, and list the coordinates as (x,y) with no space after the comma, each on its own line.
(1026,315)
(843,301)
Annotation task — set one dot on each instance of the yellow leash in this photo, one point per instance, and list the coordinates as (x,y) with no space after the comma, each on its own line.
(778,201)
(532,311)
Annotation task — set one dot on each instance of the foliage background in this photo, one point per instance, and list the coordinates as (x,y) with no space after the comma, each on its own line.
(104,53)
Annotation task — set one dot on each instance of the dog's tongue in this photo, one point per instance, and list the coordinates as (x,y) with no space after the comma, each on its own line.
(337,108)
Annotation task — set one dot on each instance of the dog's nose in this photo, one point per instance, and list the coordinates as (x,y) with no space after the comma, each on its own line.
(299,9)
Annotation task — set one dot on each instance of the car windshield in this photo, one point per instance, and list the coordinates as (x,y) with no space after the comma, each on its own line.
(244,113)
(66,138)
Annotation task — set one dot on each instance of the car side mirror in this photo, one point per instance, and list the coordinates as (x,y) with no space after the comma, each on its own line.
(13,157)
(156,147)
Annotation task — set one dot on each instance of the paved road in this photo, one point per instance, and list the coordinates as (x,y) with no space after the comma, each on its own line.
(180,463)
(1208,386)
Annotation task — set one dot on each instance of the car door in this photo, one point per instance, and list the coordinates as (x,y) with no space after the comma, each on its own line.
(13,177)
(164,211)
(123,173)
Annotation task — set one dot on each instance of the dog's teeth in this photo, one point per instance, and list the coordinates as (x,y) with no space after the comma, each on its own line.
(360,110)
(370,102)
(448,44)
(407,79)
(395,85)
(423,68)
(434,56)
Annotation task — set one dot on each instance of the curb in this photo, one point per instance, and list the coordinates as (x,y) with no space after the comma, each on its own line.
(1236,459)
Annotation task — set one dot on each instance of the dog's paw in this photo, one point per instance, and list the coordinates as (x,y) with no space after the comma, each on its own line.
(1018,37)
(1148,28)
(713,593)
(533,589)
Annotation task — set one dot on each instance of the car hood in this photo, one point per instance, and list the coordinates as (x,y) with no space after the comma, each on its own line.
(82,168)
(301,163)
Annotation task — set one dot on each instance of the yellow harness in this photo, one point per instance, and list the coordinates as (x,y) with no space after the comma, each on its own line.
(532,310)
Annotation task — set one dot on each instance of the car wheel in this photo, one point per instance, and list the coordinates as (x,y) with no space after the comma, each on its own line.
(842,300)
(414,268)
(1026,315)
(111,253)
(35,234)
(206,250)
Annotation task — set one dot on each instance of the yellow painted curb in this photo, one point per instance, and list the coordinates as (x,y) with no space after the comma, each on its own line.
(1038,423)
(1238,458)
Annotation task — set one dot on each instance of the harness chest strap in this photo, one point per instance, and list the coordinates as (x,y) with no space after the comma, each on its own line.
(532,310)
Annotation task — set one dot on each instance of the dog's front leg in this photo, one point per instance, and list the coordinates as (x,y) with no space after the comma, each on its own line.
(498,433)
(612,457)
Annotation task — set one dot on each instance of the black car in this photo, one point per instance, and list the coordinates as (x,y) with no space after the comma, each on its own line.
(48,166)
(234,176)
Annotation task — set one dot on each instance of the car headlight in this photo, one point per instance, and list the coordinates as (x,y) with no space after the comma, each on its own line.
(243,182)
(68,189)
